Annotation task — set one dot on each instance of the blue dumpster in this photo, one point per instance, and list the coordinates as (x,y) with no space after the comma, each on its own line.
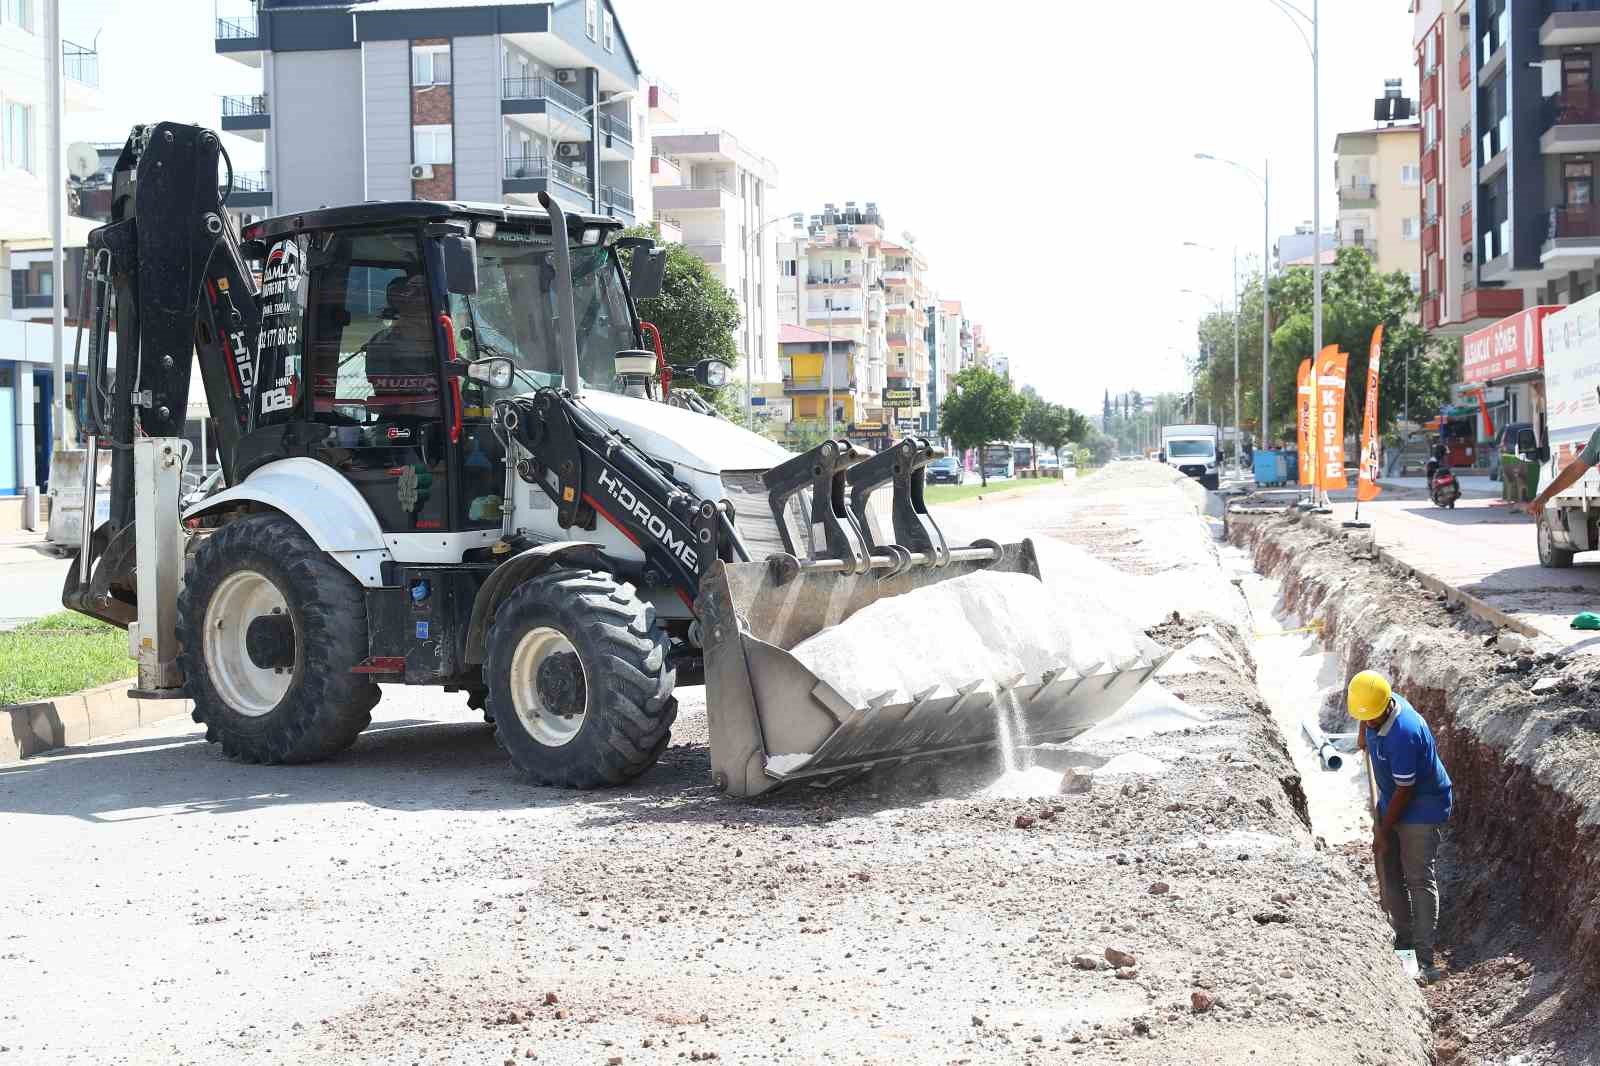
(1292,468)
(1271,467)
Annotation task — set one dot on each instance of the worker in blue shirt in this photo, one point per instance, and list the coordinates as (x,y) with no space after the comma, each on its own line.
(1414,797)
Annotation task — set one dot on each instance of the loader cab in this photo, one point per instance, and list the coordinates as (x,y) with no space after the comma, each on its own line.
(363,349)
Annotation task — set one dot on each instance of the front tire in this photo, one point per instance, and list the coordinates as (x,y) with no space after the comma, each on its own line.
(580,689)
(1549,555)
(268,629)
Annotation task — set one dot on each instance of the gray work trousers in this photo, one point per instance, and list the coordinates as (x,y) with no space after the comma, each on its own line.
(1408,885)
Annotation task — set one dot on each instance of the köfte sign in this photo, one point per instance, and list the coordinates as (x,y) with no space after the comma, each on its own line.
(911,397)
(1513,345)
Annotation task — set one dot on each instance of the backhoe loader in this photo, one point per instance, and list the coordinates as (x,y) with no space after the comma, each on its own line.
(448,458)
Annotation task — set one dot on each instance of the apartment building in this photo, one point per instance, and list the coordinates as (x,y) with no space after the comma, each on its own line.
(831,279)
(1299,246)
(817,366)
(26,383)
(418,99)
(1378,174)
(907,297)
(721,204)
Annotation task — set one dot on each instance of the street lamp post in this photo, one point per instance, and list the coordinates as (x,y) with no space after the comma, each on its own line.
(796,218)
(1264,179)
(1238,430)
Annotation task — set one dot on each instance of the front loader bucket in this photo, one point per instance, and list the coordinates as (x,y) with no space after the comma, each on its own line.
(774,722)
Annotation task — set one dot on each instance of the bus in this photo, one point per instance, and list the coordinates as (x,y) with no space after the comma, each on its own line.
(999,460)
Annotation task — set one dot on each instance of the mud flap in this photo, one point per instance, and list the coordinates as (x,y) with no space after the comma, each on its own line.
(772,721)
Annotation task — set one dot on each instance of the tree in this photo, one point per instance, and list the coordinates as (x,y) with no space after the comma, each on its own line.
(1043,423)
(981,407)
(696,314)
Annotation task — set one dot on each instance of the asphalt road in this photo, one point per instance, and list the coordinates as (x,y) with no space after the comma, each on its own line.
(31,578)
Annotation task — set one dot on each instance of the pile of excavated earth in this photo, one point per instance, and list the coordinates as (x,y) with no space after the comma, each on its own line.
(1518,726)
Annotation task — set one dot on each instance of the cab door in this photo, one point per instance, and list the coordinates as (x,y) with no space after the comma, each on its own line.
(375,375)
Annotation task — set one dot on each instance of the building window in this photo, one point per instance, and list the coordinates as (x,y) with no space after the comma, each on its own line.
(19,137)
(432,144)
(591,18)
(1578,183)
(1416,281)
(19,13)
(611,32)
(1410,174)
(1410,227)
(430,64)
(791,267)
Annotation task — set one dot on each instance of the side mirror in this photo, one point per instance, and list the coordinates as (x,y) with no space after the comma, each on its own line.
(460,264)
(1527,442)
(711,373)
(649,273)
(494,371)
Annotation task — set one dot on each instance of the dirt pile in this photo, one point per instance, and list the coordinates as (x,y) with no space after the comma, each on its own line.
(1517,728)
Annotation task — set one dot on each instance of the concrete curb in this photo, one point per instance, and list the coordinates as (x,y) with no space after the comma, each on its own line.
(31,728)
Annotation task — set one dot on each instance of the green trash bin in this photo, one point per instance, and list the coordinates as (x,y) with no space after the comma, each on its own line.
(1518,479)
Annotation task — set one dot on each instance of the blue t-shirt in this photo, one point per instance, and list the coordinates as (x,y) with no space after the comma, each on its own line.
(1403,753)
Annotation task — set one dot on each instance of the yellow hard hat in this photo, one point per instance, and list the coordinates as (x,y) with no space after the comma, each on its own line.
(1369,695)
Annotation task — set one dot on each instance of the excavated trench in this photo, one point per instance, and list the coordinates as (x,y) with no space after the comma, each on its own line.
(1518,726)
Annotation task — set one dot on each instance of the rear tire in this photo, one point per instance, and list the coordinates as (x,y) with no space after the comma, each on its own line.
(580,690)
(1549,555)
(246,576)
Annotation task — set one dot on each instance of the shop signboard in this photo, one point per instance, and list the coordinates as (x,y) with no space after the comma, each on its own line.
(1513,345)
(911,397)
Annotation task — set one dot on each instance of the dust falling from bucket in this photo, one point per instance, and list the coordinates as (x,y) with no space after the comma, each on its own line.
(1011,733)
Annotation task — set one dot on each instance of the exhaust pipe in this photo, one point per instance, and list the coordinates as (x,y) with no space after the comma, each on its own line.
(1328,755)
(567,335)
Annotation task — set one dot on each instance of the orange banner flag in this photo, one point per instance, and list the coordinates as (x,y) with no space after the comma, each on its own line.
(1308,466)
(1328,422)
(1367,486)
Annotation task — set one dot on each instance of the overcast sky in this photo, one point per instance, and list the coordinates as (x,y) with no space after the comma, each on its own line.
(1041,152)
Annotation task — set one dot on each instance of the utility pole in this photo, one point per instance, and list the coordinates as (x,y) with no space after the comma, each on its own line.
(58,281)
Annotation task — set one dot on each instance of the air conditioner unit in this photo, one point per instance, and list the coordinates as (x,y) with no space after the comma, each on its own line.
(572,150)
(421,171)
(567,76)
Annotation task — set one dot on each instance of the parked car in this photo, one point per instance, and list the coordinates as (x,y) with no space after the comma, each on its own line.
(1505,442)
(947,470)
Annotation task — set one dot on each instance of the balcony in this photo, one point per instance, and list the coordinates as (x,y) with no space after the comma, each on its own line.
(247,116)
(1464,68)
(1494,251)
(1572,240)
(1466,225)
(1492,46)
(1480,306)
(1430,89)
(545,107)
(705,197)
(665,170)
(1466,145)
(1430,239)
(617,203)
(1430,163)
(705,251)
(31,301)
(1575,23)
(1430,313)
(616,127)
(1492,145)
(1354,194)
(664,106)
(250,189)
(239,38)
(828,281)
(896,277)
(535,174)
(668,229)
(898,340)
(1572,122)
(817,382)
(80,64)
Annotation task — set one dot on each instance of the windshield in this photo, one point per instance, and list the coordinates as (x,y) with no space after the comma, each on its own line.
(1190,449)
(947,463)
(514,313)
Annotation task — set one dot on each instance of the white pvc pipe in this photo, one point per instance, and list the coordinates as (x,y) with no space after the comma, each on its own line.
(1328,755)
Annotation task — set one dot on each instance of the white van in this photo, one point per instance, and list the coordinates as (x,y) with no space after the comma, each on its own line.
(1194,450)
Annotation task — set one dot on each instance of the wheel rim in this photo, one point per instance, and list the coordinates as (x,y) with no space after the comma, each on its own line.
(248,670)
(1545,542)
(549,686)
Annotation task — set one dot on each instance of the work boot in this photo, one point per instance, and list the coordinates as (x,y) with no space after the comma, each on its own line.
(1429,974)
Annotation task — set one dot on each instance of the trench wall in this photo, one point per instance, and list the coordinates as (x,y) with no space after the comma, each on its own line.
(1526,767)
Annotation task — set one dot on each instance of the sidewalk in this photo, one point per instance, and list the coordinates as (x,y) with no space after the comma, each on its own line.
(32,579)
(1486,549)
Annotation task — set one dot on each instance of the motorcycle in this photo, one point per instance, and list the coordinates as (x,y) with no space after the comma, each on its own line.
(1443,488)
